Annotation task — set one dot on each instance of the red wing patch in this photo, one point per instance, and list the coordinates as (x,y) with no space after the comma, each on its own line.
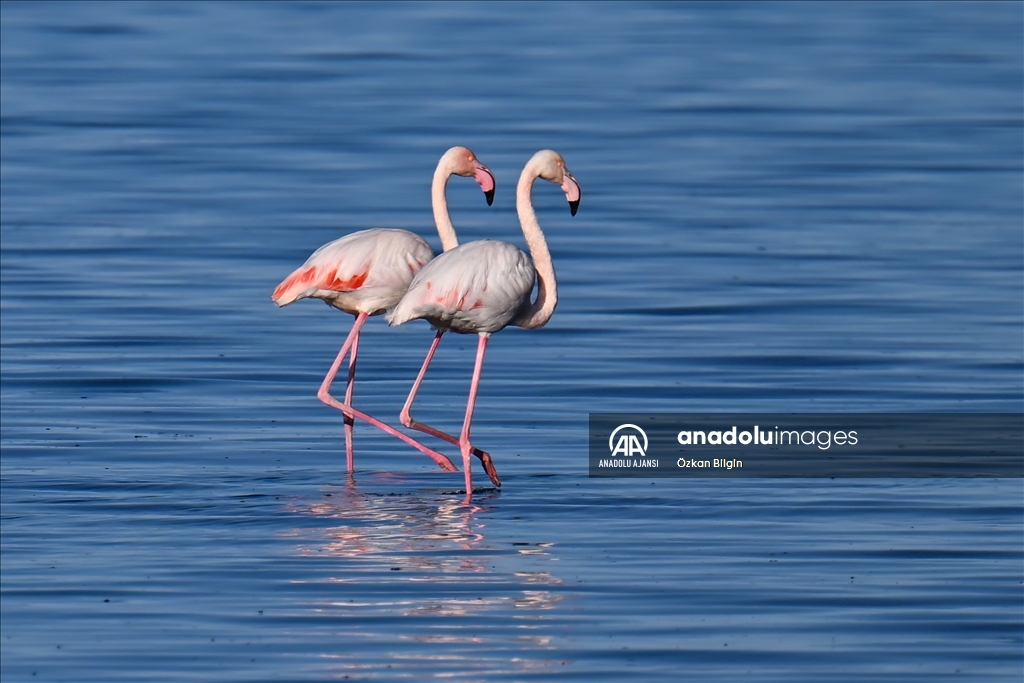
(299,277)
(334,283)
(302,279)
(452,300)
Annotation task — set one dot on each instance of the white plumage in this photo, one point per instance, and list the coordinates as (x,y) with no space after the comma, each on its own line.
(479,287)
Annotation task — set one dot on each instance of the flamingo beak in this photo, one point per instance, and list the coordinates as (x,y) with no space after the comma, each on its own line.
(483,175)
(572,191)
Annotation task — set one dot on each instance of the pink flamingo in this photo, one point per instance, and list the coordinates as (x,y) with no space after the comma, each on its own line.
(484,286)
(367,272)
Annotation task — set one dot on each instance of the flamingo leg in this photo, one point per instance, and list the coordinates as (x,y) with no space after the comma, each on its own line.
(350,422)
(325,396)
(464,443)
(406,417)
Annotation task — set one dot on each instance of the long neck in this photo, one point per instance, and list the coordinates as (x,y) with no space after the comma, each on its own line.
(439,202)
(540,311)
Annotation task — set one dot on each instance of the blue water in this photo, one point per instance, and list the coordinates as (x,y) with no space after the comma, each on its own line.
(786,208)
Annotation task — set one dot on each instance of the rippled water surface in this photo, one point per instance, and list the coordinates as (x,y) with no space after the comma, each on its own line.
(786,208)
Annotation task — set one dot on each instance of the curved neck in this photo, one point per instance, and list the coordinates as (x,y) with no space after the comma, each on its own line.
(540,311)
(439,202)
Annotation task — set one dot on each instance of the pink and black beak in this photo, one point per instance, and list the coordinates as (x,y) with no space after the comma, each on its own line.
(484,176)
(572,191)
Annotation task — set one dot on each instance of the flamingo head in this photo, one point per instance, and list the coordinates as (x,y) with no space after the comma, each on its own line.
(463,162)
(550,166)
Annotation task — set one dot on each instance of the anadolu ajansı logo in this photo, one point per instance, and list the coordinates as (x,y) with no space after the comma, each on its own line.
(628,443)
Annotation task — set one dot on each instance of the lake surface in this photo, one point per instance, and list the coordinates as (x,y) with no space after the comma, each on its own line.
(786,208)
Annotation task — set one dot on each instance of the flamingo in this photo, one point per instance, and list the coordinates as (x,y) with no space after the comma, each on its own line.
(367,272)
(481,287)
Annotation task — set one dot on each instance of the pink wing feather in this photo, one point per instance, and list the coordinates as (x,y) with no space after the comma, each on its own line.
(365,271)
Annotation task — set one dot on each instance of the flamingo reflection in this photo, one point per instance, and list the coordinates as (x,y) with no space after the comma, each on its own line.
(405,564)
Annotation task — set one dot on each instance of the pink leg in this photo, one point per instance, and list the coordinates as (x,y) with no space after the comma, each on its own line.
(325,396)
(350,421)
(464,444)
(407,419)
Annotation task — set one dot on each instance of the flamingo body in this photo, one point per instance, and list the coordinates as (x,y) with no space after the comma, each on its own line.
(365,272)
(479,287)
(368,272)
